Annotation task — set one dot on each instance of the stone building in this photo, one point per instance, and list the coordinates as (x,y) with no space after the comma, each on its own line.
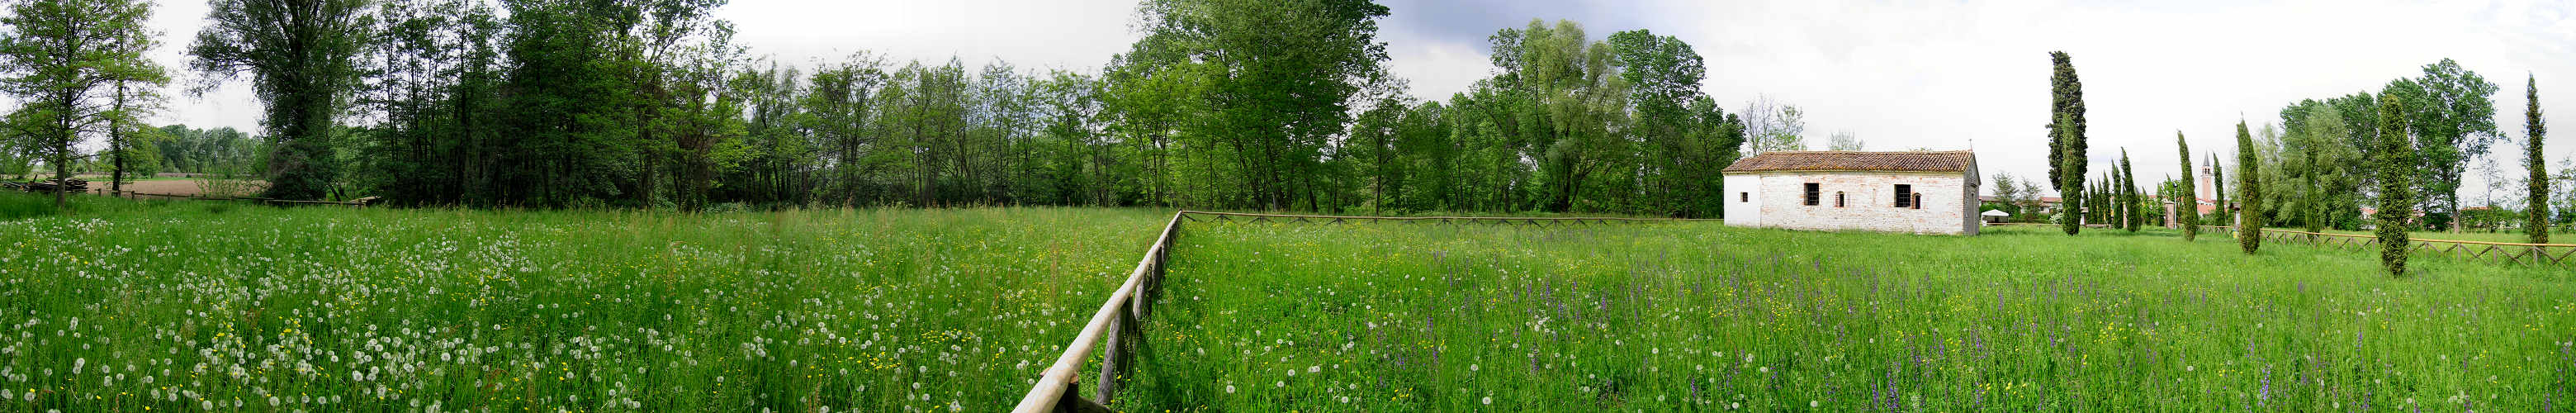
(1915,192)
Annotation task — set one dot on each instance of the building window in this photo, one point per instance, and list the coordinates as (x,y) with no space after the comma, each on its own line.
(1838,199)
(1815,192)
(1904,196)
(1744,197)
(1918,200)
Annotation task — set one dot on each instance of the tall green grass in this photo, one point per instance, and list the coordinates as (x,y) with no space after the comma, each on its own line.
(1698,316)
(199,306)
(22,205)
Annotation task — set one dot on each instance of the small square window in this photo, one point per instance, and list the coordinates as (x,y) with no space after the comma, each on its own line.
(1904,196)
(1815,193)
(1744,197)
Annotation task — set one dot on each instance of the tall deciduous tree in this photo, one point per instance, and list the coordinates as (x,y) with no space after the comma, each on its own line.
(2395,174)
(2249,217)
(1774,126)
(2188,203)
(1845,141)
(2536,210)
(1278,82)
(1682,154)
(2324,161)
(302,56)
(2452,117)
(70,63)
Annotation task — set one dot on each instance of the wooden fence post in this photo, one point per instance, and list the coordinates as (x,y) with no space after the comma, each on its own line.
(1114,357)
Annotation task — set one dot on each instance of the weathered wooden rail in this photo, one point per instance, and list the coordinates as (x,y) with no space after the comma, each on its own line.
(1115,331)
(359,203)
(2508,252)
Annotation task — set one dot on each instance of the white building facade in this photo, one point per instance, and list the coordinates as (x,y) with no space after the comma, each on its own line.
(1911,192)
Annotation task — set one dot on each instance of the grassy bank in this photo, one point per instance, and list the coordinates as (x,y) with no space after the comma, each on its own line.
(1704,317)
(192,306)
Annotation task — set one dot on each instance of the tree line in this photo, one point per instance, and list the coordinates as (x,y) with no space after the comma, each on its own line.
(2402,150)
(650,103)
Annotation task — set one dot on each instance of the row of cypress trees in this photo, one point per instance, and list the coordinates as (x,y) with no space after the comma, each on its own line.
(2391,168)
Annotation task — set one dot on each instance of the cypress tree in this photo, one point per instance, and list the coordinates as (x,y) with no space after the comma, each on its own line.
(2249,217)
(2066,129)
(2396,175)
(2536,211)
(2070,186)
(2218,186)
(2188,208)
(2130,193)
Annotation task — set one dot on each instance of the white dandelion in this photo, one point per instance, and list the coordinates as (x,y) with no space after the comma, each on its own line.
(1489,400)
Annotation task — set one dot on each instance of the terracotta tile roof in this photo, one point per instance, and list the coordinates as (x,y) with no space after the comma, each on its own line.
(1946,161)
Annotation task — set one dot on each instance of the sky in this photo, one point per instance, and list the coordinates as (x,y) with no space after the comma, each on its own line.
(1942,75)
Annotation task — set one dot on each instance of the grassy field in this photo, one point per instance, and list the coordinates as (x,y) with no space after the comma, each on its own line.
(129,306)
(126,306)
(1698,316)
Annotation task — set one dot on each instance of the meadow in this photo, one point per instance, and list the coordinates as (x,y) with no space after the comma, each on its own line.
(1698,316)
(197,305)
(123,305)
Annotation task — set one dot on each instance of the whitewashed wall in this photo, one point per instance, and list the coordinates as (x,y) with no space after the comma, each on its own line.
(1743,200)
(1778,201)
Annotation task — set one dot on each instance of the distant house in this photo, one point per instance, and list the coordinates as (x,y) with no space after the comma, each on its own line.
(1916,192)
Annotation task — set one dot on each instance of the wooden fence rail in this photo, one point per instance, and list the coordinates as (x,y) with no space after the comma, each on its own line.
(2508,252)
(1115,330)
(359,203)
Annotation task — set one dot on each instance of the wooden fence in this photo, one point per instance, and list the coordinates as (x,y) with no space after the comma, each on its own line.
(1058,389)
(359,203)
(2507,252)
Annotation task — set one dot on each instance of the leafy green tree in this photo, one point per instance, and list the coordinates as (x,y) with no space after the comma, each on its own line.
(1845,141)
(59,59)
(2326,193)
(134,93)
(2187,203)
(1682,152)
(2536,210)
(2396,185)
(2066,131)
(1148,101)
(1278,82)
(303,61)
(1774,126)
(2453,122)
(838,103)
(2249,218)
(703,117)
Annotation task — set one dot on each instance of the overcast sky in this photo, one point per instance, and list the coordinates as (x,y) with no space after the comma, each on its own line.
(1899,74)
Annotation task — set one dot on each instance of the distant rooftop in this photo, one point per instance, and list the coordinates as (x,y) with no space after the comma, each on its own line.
(1912,161)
